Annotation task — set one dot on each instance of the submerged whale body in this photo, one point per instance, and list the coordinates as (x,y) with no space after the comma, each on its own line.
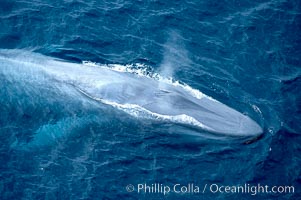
(130,92)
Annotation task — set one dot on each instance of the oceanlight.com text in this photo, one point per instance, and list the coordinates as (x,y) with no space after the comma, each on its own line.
(251,189)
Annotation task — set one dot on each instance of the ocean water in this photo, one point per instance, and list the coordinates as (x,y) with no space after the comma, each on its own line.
(245,54)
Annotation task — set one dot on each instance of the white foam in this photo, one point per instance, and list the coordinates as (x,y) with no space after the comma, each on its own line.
(140,112)
(144,70)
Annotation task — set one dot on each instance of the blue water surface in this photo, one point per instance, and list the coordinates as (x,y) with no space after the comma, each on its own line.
(246,54)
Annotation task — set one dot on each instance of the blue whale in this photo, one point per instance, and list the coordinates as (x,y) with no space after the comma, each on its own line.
(136,94)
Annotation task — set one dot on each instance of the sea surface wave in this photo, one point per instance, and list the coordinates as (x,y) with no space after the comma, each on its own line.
(245,54)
